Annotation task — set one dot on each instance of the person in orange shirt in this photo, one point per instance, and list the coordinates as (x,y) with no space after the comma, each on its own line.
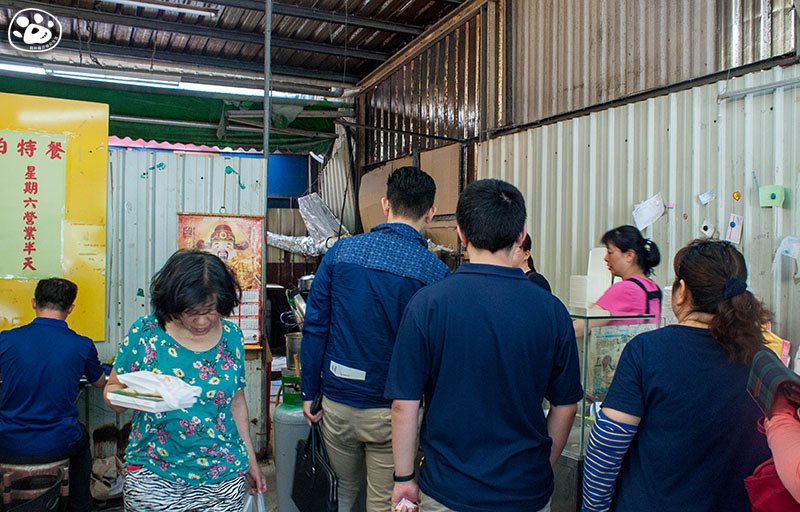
(783,436)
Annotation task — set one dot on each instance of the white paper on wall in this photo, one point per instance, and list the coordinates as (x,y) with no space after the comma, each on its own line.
(646,213)
(707,196)
(790,247)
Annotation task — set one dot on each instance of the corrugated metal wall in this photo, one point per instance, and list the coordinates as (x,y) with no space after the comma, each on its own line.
(143,201)
(439,92)
(572,54)
(583,176)
(335,184)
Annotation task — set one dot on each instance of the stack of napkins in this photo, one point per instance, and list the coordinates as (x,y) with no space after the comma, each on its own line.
(152,392)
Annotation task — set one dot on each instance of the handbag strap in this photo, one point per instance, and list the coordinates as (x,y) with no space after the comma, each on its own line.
(318,442)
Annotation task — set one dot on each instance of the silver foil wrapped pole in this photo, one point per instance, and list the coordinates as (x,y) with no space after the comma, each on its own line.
(324,230)
(322,225)
(304,245)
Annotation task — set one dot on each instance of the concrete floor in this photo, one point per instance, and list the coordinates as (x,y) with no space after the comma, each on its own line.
(271,496)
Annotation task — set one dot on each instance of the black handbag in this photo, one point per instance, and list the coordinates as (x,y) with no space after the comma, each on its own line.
(315,487)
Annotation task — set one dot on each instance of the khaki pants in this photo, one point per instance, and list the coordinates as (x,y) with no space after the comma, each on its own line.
(428,504)
(359,443)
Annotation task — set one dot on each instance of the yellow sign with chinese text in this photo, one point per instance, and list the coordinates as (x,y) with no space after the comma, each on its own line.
(82,128)
(34,169)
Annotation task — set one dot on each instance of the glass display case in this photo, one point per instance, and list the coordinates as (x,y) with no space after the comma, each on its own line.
(599,348)
(598,352)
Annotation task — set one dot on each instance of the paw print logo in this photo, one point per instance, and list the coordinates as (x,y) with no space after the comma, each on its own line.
(34,30)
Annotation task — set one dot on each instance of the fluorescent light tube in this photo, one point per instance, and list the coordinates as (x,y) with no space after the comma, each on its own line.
(221,89)
(151,4)
(113,76)
(21,68)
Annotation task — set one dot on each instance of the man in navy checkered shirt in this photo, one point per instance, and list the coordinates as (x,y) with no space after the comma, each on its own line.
(354,309)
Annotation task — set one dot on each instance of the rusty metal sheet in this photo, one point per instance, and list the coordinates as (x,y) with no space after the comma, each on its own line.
(435,93)
(572,54)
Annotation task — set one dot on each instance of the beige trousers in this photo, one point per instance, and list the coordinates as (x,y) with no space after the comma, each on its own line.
(359,443)
(428,504)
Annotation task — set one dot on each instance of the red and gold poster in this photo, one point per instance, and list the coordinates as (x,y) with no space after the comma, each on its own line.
(235,239)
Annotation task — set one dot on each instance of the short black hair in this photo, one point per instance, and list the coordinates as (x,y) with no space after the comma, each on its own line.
(629,238)
(411,192)
(55,293)
(188,280)
(491,214)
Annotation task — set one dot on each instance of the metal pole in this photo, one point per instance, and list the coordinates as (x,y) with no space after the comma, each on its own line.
(266,355)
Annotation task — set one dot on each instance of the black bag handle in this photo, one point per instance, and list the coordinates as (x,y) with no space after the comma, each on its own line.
(319,442)
(315,446)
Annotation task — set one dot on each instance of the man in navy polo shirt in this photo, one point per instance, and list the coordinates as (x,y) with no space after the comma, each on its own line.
(484,348)
(41,365)
(354,307)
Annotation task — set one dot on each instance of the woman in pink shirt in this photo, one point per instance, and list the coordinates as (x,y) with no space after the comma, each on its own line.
(632,258)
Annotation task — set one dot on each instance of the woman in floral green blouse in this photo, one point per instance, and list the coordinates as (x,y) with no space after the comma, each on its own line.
(200,458)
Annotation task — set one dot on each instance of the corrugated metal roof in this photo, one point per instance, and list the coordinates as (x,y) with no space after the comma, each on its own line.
(236,33)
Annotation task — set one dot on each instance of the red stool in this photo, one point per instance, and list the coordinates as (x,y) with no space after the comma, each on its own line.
(34,487)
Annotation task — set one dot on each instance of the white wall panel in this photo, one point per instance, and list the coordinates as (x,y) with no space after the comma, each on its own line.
(583,176)
(142,221)
(143,202)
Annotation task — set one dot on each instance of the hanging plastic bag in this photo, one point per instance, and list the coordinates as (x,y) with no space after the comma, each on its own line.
(254,503)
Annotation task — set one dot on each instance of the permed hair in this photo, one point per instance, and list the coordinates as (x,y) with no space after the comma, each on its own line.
(188,280)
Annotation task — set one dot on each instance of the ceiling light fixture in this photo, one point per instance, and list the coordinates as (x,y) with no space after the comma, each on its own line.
(182,8)
(113,76)
(21,68)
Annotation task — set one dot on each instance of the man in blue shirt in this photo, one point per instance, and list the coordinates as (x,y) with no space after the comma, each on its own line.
(354,307)
(41,365)
(484,348)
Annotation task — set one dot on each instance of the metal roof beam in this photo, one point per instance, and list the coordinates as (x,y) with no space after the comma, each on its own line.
(199,60)
(318,114)
(160,56)
(330,49)
(197,30)
(136,22)
(313,73)
(311,13)
(343,19)
(211,126)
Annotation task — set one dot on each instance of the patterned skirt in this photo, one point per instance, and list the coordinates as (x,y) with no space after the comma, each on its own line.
(145,491)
